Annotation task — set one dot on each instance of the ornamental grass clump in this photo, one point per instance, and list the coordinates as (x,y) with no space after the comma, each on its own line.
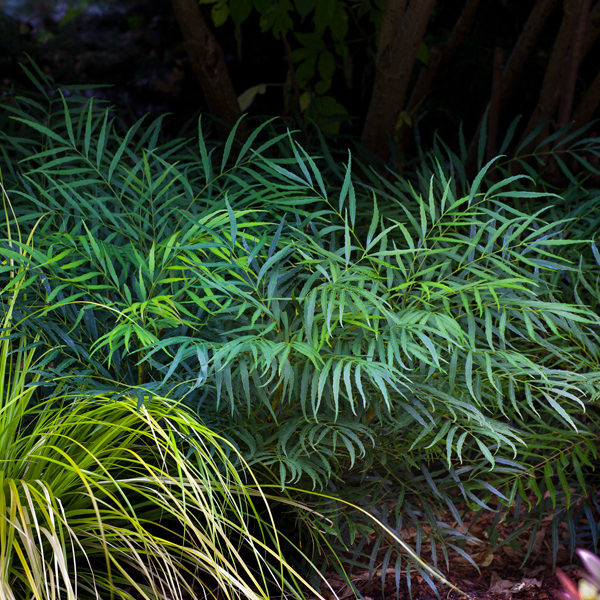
(119,497)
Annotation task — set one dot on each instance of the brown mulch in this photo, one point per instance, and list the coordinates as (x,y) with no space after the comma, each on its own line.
(537,583)
(501,575)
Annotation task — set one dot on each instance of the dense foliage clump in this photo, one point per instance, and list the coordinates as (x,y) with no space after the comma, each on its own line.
(414,347)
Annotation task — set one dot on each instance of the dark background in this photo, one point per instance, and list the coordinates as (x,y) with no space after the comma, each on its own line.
(132,53)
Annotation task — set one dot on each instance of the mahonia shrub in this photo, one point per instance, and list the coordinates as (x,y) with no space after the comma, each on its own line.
(419,344)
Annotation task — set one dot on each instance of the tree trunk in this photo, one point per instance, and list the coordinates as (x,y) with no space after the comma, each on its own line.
(572,67)
(402,31)
(494,111)
(513,69)
(208,63)
(438,55)
(556,69)
(524,47)
(592,30)
(441,53)
(589,103)
(591,99)
(390,24)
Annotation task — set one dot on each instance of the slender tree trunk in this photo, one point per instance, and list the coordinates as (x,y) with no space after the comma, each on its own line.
(494,111)
(524,47)
(588,104)
(438,55)
(591,100)
(572,67)
(402,31)
(390,25)
(442,53)
(208,63)
(513,69)
(592,30)
(294,102)
(556,69)
(492,115)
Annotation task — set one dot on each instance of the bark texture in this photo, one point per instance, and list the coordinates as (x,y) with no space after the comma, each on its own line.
(402,30)
(589,103)
(208,63)
(556,70)
(494,111)
(438,55)
(527,41)
(592,30)
(442,53)
(512,70)
(572,67)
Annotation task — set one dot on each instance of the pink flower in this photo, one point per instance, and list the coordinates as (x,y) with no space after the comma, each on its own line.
(589,586)
(592,565)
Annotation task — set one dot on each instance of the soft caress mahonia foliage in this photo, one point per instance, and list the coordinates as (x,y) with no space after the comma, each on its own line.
(402,341)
